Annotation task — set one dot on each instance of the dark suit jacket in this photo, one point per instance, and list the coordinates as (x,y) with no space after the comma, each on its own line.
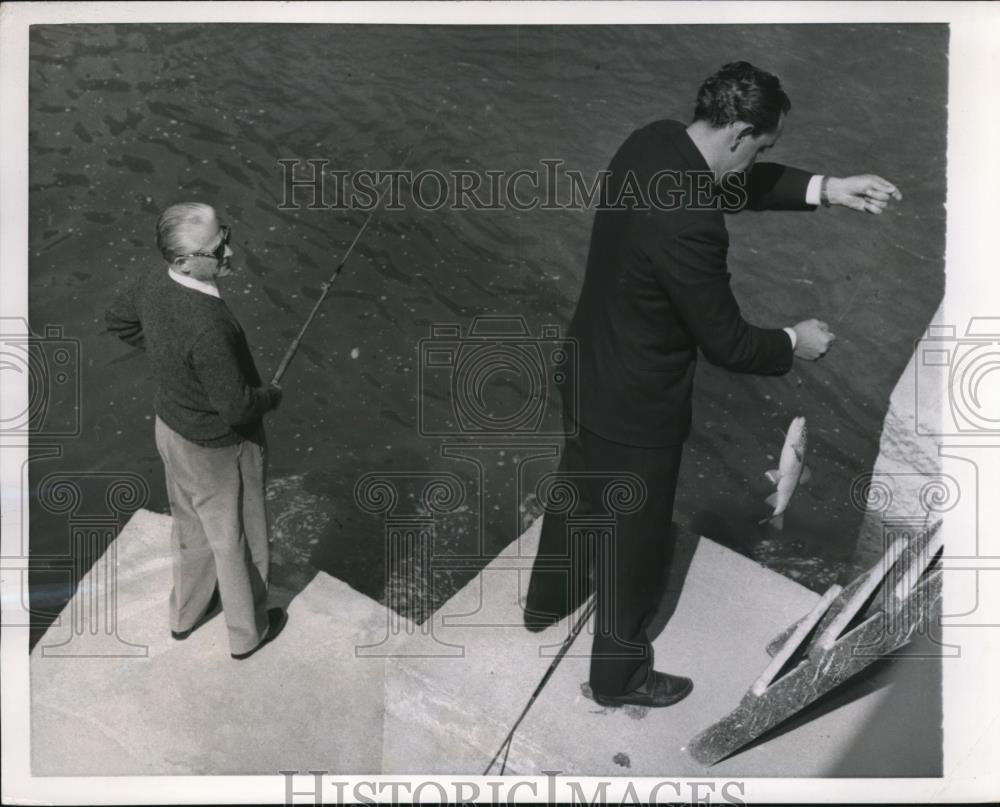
(657,288)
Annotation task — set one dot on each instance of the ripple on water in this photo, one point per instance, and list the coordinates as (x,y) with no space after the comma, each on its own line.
(297,519)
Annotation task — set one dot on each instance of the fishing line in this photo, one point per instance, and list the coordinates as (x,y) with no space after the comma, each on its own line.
(509,739)
(862,284)
(326,286)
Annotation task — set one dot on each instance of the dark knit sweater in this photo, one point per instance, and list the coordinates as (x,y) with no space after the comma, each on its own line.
(207,386)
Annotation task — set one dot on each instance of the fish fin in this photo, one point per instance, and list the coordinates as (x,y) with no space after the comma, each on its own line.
(773,476)
(772,500)
(806,474)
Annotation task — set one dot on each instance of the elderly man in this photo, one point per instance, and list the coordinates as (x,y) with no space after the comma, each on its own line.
(209,405)
(655,292)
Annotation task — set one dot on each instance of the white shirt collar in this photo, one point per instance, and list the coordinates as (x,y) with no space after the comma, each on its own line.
(204,286)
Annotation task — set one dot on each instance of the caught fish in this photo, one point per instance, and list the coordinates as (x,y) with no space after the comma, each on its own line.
(790,471)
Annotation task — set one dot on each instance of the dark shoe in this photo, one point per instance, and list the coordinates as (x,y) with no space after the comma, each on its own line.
(277,618)
(213,603)
(660,689)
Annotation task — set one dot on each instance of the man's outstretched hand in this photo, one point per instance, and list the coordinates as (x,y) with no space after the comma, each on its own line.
(866,192)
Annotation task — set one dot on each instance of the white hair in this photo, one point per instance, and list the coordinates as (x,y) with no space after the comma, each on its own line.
(171,226)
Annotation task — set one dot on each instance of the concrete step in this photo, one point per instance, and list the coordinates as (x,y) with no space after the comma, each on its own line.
(137,702)
(450,713)
(350,687)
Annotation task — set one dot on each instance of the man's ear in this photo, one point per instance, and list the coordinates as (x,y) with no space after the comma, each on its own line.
(181,265)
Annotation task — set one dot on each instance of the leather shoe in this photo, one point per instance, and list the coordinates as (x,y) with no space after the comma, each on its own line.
(213,603)
(277,618)
(660,689)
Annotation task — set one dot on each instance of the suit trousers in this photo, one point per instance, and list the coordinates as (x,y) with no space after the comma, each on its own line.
(628,573)
(219,533)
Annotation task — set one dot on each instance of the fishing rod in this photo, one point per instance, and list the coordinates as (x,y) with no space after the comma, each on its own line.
(325,290)
(325,287)
(509,739)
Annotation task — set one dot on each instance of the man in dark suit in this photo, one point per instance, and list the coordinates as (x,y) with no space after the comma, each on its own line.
(656,290)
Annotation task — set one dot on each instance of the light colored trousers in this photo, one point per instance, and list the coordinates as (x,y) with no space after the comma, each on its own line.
(219,533)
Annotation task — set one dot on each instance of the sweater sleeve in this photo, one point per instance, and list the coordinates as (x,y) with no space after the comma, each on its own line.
(216,359)
(691,267)
(122,316)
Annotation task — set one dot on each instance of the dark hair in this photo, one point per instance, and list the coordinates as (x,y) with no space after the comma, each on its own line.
(741,92)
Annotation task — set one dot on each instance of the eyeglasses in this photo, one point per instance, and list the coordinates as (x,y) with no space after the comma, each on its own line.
(218,253)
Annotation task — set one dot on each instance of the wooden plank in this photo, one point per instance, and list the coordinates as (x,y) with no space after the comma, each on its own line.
(914,548)
(821,671)
(802,629)
(918,565)
(871,580)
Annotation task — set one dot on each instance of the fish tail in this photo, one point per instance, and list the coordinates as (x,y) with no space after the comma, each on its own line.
(777,521)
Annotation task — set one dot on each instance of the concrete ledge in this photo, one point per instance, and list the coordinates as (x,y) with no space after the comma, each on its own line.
(348,690)
(144,704)
(451,714)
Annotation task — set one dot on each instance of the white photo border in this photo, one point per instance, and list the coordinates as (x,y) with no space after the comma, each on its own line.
(971,708)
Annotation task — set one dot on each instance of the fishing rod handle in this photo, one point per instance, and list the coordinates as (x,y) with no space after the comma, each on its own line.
(285,362)
(290,353)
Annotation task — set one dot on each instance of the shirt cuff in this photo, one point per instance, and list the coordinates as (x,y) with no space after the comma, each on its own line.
(792,335)
(813,190)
